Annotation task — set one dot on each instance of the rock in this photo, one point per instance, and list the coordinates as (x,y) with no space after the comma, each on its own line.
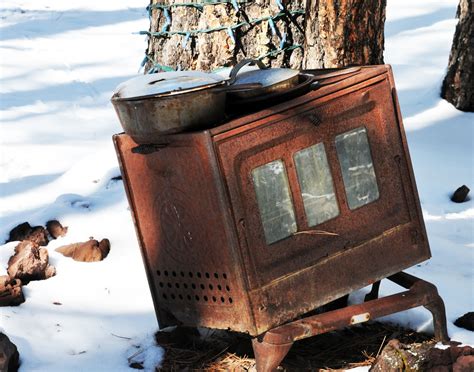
(30,262)
(49,272)
(460,195)
(38,235)
(454,358)
(19,232)
(55,229)
(424,357)
(396,356)
(9,356)
(24,231)
(466,321)
(11,293)
(89,251)
(464,363)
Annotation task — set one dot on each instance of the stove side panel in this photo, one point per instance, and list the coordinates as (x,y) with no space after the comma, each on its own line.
(186,240)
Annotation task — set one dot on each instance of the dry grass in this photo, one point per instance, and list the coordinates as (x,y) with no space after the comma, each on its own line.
(223,351)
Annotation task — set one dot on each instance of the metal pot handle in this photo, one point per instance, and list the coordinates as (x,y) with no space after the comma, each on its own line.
(235,70)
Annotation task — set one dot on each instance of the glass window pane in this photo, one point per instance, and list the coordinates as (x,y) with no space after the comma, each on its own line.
(274,202)
(357,168)
(316,184)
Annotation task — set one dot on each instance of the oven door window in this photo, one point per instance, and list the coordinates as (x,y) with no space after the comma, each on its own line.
(317,189)
(274,201)
(357,168)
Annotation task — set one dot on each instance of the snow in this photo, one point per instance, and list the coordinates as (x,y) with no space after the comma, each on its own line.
(60,62)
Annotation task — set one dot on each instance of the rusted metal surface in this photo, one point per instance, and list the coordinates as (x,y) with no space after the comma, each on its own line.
(182,223)
(271,348)
(147,119)
(269,356)
(199,225)
(321,94)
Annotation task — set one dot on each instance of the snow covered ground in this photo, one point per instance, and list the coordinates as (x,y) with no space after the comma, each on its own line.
(60,62)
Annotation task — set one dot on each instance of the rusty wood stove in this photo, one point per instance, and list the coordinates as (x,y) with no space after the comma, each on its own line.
(253,224)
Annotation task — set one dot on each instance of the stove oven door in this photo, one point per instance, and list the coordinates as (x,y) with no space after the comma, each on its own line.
(315,182)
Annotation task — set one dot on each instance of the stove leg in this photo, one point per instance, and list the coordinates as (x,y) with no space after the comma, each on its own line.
(269,356)
(436,307)
(432,301)
(374,292)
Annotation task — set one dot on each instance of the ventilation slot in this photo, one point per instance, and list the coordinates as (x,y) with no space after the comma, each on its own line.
(209,288)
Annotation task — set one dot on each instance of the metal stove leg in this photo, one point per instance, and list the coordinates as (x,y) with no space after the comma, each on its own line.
(374,292)
(432,301)
(276,342)
(269,356)
(436,307)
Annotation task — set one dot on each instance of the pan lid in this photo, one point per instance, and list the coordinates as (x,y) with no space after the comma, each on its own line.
(267,77)
(165,83)
(243,73)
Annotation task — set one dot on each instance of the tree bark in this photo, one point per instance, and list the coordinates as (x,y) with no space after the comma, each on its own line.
(458,85)
(325,34)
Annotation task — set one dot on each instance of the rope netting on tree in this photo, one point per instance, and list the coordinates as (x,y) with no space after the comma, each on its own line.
(280,42)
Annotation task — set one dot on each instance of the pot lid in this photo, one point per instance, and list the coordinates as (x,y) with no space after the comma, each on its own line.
(267,77)
(166,83)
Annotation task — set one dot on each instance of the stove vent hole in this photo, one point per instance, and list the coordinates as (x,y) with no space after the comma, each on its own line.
(212,288)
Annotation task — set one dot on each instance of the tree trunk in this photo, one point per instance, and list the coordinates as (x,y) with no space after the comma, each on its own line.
(297,34)
(458,85)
